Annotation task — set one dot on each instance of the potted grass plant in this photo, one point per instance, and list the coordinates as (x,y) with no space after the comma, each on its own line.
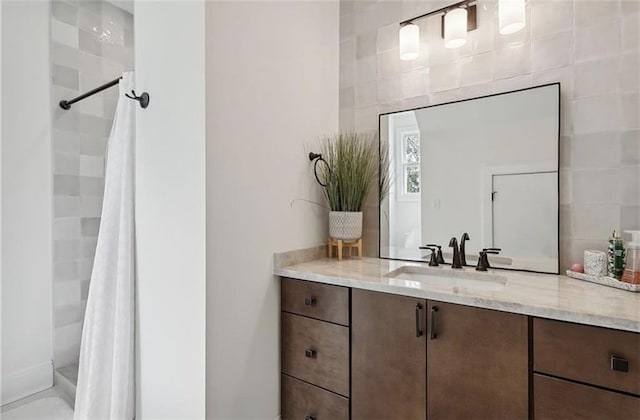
(354,165)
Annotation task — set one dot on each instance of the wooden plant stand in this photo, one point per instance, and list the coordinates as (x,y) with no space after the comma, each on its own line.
(340,245)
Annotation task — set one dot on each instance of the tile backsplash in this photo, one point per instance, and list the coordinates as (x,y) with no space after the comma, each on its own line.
(590,46)
(91,44)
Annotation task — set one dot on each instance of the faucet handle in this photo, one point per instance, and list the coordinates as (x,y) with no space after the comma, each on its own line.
(483,261)
(484,256)
(433,261)
(492,250)
(440,258)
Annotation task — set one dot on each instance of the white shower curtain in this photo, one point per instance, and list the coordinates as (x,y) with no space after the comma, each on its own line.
(106,374)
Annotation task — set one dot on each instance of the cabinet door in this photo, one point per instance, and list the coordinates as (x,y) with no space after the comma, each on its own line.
(477,363)
(558,399)
(388,363)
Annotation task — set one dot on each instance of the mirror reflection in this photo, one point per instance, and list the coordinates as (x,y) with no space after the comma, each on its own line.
(487,167)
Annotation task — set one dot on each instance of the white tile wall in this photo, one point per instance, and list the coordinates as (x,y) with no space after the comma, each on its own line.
(590,46)
(91,43)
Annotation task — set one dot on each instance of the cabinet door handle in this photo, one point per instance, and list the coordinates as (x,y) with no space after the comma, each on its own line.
(310,301)
(418,320)
(619,364)
(309,418)
(310,353)
(432,323)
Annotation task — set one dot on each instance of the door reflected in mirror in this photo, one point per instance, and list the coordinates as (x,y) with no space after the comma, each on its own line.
(486,166)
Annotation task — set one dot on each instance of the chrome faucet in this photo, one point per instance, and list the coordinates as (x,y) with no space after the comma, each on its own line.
(463,255)
(453,243)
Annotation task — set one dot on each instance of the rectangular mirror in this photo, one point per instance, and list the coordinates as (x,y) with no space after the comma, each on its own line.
(486,166)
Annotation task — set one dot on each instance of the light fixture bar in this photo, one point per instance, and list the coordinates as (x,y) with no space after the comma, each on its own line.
(442,10)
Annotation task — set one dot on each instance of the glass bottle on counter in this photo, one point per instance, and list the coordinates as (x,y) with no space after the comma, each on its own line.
(632,265)
(616,256)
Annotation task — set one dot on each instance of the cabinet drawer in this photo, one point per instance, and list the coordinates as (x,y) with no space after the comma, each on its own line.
(585,353)
(565,400)
(316,352)
(316,300)
(303,401)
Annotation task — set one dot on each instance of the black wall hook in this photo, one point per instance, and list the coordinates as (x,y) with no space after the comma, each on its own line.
(143,99)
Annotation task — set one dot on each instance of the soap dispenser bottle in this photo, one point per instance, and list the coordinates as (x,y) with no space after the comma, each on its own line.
(632,265)
(615,256)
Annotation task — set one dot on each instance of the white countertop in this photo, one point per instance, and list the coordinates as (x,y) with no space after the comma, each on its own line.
(542,295)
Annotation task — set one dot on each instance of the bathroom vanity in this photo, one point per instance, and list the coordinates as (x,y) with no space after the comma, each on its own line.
(381,339)
(389,339)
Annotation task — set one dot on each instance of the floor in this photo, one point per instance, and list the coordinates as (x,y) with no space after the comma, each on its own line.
(51,404)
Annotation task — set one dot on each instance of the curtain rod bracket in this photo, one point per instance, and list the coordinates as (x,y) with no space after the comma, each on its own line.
(143,99)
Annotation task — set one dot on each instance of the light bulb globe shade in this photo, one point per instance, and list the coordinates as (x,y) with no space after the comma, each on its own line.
(409,42)
(455,28)
(511,16)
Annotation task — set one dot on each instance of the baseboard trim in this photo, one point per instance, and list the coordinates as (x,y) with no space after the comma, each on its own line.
(27,381)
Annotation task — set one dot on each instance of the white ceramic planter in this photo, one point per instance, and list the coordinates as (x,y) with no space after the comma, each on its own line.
(345,225)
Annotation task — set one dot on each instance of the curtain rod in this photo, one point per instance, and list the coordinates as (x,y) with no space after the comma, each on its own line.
(143,99)
(67,104)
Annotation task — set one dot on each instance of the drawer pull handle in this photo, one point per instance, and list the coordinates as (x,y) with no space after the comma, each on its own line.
(418,320)
(309,418)
(310,301)
(619,364)
(432,323)
(310,353)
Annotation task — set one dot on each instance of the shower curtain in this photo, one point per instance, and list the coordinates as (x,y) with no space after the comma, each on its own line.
(106,373)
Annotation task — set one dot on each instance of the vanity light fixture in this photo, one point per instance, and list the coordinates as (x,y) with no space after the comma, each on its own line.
(455,28)
(409,41)
(457,19)
(511,16)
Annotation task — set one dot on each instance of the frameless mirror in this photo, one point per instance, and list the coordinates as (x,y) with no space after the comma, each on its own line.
(486,166)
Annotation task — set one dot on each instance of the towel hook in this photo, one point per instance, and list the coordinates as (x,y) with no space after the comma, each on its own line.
(143,99)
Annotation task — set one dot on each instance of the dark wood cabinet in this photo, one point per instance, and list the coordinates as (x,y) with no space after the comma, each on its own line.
(592,355)
(558,399)
(388,363)
(477,363)
(315,351)
(316,300)
(585,372)
(353,353)
(301,400)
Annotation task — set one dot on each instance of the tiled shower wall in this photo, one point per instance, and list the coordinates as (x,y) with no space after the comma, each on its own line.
(91,44)
(590,46)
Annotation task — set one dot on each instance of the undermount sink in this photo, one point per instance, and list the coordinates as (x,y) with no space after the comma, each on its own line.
(445,275)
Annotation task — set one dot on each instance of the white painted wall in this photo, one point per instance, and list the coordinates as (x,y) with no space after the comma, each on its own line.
(170,209)
(26,200)
(272,90)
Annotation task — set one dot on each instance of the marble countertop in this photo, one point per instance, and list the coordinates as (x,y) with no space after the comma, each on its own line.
(542,295)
